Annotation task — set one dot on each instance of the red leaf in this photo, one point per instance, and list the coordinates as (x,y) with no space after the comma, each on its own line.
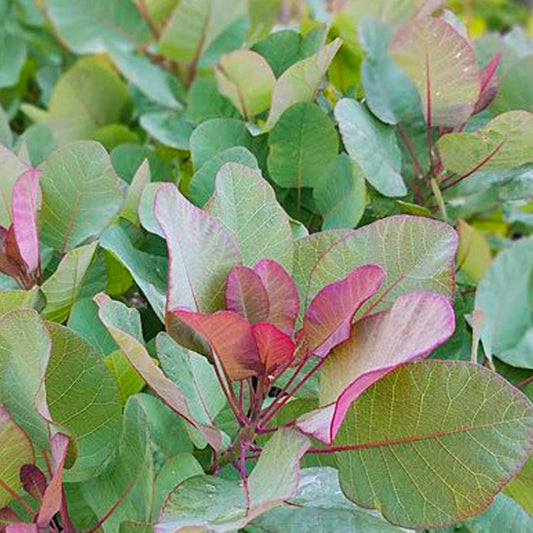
(53,495)
(33,481)
(283,298)
(328,319)
(22,528)
(275,348)
(489,84)
(24,207)
(230,337)
(246,295)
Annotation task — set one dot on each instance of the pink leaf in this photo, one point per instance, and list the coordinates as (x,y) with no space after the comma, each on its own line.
(24,208)
(22,528)
(53,495)
(489,84)
(230,337)
(283,298)
(201,252)
(275,348)
(33,481)
(442,64)
(246,295)
(417,323)
(329,317)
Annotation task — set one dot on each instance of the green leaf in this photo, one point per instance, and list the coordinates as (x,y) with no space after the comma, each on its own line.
(169,128)
(84,320)
(204,102)
(389,94)
(147,76)
(340,195)
(473,253)
(133,469)
(128,380)
(195,376)
(503,515)
(92,27)
(443,66)
(505,296)
(321,507)
(521,487)
(302,144)
(246,206)
(62,288)
(202,184)
(417,254)
(434,463)
(124,324)
(373,145)
(300,82)
(81,195)
(504,142)
(86,98)
(247,80)
(17,299)
(515,89)
(215,136)
(283,48)
(13,55)
(195,25)
(142,177)
(25,347)
(175,470)
(6,137)
(208,503)
(17,451)
(82,397)
(149,271)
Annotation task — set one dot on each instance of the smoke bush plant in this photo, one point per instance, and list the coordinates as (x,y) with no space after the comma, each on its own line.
(182,348)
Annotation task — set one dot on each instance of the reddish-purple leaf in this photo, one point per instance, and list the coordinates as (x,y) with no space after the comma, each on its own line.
(276,349)
(489,84)
(417,323)
(8,266)
(442,64)
(230,337)
(328,319)
(53,495)
(24,208)
(7,516)
(246,295)
(283,298)
(33,481)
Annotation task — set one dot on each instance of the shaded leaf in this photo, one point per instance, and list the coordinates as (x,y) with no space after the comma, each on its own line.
(340,195)
(302,145)
(505,296)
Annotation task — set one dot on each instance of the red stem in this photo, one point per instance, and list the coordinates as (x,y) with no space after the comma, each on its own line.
(476,168)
